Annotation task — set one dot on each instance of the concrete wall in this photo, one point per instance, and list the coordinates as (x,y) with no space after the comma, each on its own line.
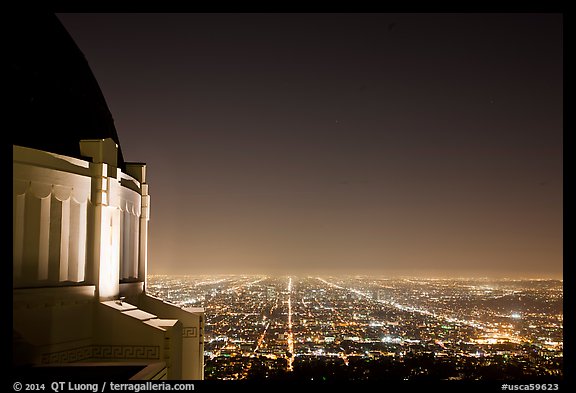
(52,324)
(77,222)
(192,333)
(80,242)
(50,219)
(130,335)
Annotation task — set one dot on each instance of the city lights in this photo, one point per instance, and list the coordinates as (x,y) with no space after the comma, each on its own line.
(287,327)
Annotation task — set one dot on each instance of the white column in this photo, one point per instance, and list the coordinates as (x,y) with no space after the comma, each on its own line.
(82,222)
(106,256)
(59,238)
(36,235)
(44,241)
(143,254)
(76,269)
(123,253)
(134,244)
(19,201)
(138,172)
(107,246)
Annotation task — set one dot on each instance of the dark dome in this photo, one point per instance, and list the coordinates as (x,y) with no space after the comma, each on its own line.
(57,99)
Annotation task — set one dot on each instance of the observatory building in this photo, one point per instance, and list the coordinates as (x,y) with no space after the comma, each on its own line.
(80,228)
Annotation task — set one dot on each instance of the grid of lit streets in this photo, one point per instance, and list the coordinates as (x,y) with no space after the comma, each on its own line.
(362,328)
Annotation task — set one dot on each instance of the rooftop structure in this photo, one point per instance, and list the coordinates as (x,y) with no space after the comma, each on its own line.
(80,228)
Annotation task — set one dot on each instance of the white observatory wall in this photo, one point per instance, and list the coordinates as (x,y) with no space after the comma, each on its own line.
(50,219)
(76,236)
(57,223)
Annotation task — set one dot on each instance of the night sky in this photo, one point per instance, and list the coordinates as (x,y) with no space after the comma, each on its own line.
(385,144)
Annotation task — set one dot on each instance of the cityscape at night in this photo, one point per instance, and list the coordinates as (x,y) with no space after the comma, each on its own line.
(285,199)
(362,328)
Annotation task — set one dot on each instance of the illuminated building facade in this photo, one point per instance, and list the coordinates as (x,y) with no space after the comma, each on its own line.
(80,227)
